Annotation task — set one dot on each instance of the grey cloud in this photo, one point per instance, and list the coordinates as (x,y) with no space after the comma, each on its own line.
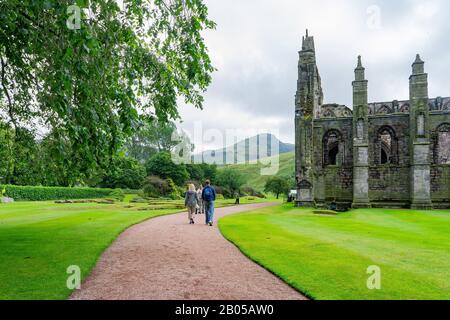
(256,43)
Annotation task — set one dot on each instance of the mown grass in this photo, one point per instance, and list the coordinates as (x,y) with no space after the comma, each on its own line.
(40,240)
(327,257)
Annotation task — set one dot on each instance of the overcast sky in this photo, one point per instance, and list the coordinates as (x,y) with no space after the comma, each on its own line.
(255,49)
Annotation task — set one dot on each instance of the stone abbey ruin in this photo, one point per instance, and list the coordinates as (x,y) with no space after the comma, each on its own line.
(387,154)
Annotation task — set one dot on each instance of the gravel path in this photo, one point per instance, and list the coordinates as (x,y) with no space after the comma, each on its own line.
(165,258)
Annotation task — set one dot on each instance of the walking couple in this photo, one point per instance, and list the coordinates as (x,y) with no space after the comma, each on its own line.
(201,201)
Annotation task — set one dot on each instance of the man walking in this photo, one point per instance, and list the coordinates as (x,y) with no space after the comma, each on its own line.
(209,196)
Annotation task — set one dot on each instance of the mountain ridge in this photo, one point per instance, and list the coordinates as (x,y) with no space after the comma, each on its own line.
(246,151)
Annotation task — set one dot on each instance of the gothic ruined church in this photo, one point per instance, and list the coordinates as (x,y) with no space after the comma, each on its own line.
(384,154)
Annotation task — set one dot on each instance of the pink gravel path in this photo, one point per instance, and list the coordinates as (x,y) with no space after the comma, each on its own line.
(165,258)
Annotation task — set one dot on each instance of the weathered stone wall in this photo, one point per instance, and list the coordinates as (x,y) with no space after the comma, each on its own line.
(393,158)
(440,183)
(334,181)
(389,182)
(440,173)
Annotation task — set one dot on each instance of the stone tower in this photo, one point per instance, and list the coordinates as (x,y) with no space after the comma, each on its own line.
(308,100)
(419,137)
(360,139)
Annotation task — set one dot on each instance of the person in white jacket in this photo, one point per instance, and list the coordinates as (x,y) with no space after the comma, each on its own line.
(201,207)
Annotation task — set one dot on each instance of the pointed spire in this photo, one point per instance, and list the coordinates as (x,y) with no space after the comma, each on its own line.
(359,71)
(418,59)
(418,66)
(308,42)
(359,63)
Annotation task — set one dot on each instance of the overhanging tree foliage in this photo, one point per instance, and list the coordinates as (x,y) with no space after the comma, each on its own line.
(89,86)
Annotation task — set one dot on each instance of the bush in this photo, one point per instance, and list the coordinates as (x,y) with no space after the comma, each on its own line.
(21,193)
(132,191)
(161,165)
(174,192)
(155,187)
(249,191)
(223,191)
(118,195)
(196,183)
(220,196)
(126,173)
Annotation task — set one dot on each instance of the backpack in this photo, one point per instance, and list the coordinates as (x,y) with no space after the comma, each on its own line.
(208,194)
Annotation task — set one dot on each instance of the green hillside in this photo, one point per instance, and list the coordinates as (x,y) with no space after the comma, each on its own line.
(252,172)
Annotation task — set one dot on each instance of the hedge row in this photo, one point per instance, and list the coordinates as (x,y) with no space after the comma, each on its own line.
(20,193)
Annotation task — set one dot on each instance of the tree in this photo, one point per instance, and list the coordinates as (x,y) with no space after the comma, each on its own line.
(90,81)
(153,136)
(6,152)
(19,152)
(231,180)
(161,165)
(124,173)
(196,172)
(277,185)
(67,171)
(209,171)
(26,153)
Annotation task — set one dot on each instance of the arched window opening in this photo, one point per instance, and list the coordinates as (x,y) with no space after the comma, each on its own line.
(387,146)
(332,144)
(333,154)
(384,157)
(442,144)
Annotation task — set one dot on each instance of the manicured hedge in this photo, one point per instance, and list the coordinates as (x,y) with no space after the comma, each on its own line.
(20,193)
(131,191)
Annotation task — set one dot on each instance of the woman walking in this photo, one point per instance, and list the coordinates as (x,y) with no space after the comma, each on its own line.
(190,201)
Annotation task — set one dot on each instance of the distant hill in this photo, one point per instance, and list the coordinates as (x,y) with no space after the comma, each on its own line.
(246,151)
(252,172)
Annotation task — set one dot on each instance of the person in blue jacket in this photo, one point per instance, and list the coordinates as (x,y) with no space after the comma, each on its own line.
(209,196)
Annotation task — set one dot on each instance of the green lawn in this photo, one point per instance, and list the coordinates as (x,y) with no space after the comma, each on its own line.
(39,240)
(326,257)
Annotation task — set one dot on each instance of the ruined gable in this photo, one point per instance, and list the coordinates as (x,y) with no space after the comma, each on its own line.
(380,154)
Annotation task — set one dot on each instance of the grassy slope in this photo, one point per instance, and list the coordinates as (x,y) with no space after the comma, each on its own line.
(252,172)
(39,240)
(326,257)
